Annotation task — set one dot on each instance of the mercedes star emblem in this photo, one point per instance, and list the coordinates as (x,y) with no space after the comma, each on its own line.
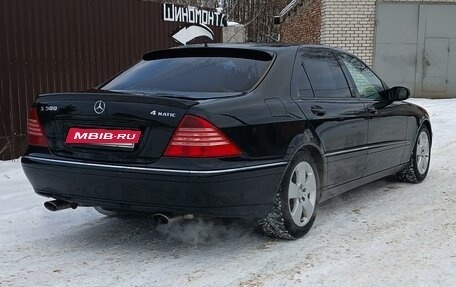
(99,107)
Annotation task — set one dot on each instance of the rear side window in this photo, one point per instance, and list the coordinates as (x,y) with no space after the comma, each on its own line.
(199,74)
(325,74)
(304,88)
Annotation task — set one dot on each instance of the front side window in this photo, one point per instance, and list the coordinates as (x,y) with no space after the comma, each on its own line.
(325,74)
(367,83)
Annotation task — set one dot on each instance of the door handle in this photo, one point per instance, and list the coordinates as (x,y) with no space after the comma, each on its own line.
(318,111)
(372,110)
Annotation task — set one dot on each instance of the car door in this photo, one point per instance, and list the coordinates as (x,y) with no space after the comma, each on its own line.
(320,89)
(386,137)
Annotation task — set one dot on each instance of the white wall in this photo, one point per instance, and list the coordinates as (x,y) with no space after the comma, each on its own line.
(349,25)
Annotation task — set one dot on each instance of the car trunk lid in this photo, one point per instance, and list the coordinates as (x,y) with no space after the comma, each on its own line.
(153,118)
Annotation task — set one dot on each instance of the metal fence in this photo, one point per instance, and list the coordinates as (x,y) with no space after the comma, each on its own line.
(69,45)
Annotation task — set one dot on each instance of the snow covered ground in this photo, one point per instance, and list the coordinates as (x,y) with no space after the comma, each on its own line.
(383,234)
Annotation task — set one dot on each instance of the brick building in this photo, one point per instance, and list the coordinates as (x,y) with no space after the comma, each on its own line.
(409,43)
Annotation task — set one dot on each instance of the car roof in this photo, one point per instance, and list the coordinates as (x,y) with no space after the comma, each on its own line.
(273,47)
(283,49)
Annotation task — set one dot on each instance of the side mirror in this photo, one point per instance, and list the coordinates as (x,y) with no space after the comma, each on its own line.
(399,93)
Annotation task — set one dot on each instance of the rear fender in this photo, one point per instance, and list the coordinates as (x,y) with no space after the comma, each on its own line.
(309,142)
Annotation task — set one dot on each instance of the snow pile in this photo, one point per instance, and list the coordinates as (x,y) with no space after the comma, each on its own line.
(15,190)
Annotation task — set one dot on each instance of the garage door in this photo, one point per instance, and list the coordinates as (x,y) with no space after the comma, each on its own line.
(415,47)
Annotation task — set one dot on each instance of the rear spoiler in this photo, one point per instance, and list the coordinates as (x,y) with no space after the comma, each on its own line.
(251,54)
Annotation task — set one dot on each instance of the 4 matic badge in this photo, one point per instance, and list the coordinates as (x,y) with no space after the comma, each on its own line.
(163,114)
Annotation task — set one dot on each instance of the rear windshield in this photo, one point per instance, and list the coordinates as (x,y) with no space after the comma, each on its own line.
(192,74)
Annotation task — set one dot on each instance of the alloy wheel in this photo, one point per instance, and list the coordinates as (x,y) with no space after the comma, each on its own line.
(302,193)
(422,152)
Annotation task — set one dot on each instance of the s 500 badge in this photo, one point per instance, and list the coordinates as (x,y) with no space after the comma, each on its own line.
(48,108)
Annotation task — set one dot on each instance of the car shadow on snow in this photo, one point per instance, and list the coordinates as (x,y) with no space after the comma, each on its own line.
(354,201)
(367,192)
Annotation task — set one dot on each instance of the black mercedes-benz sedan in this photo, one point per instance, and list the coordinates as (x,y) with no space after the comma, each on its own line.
(262,131)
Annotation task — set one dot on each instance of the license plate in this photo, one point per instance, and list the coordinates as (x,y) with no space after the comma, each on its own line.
(103,137)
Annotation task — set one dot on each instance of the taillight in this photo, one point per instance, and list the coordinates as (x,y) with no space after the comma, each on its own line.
(196,137)
(35,133)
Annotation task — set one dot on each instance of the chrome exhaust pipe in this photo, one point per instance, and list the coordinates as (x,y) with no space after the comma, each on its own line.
(56,205)
(161,218)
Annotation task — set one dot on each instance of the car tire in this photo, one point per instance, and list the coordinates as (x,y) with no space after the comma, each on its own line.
(107,212)
(296,202)
(418,166)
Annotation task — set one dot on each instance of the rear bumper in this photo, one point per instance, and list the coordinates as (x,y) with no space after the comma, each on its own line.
(236,191)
